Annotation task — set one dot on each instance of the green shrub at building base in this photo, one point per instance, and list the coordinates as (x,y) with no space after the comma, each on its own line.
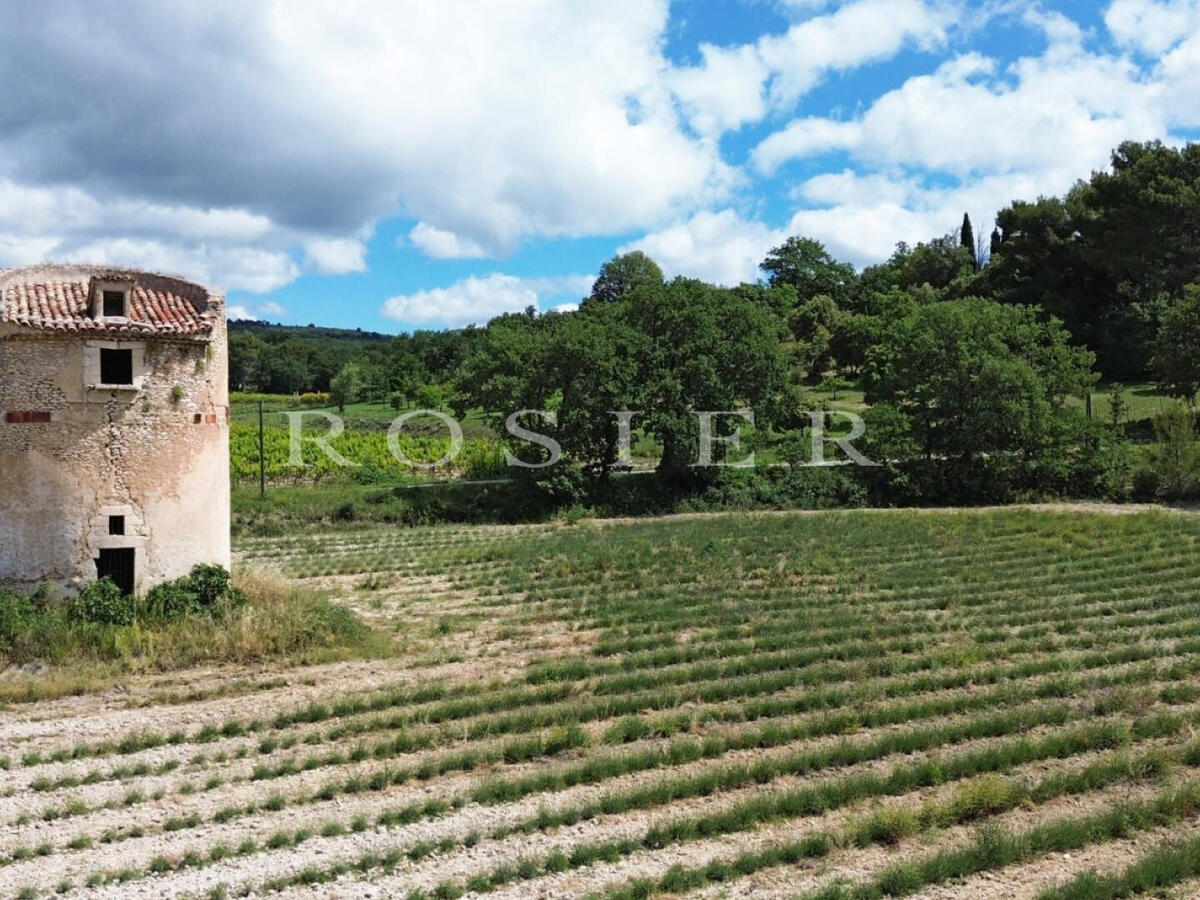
(85,642)
(205,591)
(18,615)
(103,603)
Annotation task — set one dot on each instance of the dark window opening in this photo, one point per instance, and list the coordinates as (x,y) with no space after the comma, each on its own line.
(116,366)
(116,524)
(118,566)
(114,303)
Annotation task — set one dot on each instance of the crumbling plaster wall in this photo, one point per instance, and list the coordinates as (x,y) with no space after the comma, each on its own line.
(160,454)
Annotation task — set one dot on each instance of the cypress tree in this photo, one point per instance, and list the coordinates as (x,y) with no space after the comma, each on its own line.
(967,238)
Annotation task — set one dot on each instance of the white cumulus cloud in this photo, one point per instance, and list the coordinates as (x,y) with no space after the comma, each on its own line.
(973,134)
(734,85)
(336,256)
(232,268)
(282,136)
(1060,111)
(854,34)
(292,131)
(725,91)
(1152,26)
(441,244)
(720,247)
(475,300)
(860,218)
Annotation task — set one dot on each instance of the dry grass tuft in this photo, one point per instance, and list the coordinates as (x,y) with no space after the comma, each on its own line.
(278,623)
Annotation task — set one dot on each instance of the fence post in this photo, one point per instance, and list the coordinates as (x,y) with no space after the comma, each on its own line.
(262,457)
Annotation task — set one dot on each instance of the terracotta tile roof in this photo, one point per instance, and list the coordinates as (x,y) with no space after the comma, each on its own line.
(59,298)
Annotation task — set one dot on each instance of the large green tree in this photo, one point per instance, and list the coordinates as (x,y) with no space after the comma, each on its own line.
(854,334)
(808,267)
(284,368)
(591,359)
(942,264)
(346,386)
(1112,255)
(1176,360)
(1035,260)
(973,377)
(506,371)
(707,349)
(663,350)
(623,274)
(1139,223)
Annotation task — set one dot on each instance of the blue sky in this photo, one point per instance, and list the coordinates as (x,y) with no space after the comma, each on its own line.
(428,165)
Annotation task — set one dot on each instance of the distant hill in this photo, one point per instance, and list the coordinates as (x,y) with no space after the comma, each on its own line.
(273,332)
(285,359)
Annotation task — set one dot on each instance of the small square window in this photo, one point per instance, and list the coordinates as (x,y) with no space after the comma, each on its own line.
(116,524)
(116,366)
(114,303)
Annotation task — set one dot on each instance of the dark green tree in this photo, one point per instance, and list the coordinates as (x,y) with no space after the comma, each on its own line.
(1037,261)
(807,266)
(244,352)
(707,348)
(942,264)
(854,334)
(505,371)
(281,372)
(1140,223)
(780,299)
(1176,359)
(346,386)
(966,238)
(812,325)
(665,350)
(590,358)
(1175,457)
(623,274)
(1111,256)
(974,377)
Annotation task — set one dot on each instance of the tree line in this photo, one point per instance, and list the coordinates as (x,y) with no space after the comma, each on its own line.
(289,360)
(970,351)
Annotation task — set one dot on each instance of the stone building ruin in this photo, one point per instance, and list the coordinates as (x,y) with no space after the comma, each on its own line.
(114,427)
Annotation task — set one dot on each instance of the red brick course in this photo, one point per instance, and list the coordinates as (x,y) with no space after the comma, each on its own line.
(23,417)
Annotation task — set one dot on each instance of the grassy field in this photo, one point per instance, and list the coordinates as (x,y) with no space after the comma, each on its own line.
(944,704)
(1142,401)
(425,439)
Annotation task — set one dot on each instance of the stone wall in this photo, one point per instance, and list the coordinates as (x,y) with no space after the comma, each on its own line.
(157,454)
